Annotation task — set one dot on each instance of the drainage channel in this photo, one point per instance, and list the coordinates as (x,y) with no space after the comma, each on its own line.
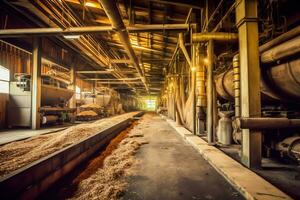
(67,186)
(33,180)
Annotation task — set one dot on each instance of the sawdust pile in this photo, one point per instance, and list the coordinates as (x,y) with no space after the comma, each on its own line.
(18,154)
(109,182)
(87,113)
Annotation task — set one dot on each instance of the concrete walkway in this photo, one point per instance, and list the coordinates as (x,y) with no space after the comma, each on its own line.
(169,168)
(21,134)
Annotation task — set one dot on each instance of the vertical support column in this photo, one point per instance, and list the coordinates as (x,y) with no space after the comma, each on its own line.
(246,18)
(73,87)
(194,68)
(36,84)
(94,90)
(209,91)
(200,87)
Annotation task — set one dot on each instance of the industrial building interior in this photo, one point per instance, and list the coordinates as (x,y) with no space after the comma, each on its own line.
(150,99)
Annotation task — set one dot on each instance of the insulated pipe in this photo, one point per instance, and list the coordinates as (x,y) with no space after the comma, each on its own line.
(210,52)
(290,147)
(182,47)
(114,16)
(283,50)
(267,123)
(284,80)
(216,36)
(200,76)
(280,39)
(224,84)
(25,32)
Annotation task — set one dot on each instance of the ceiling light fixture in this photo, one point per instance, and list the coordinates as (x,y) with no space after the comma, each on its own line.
(71,37)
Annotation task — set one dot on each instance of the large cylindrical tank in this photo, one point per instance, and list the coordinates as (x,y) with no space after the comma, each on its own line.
(280,82)
(51,95)
(224,85)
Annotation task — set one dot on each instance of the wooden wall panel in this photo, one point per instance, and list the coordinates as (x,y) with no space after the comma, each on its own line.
(3,104)
(14,59)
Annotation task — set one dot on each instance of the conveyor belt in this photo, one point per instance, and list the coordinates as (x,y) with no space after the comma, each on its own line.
(30,181)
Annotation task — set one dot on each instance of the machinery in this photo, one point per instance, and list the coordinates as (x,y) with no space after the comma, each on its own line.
(280,96)
(54,97)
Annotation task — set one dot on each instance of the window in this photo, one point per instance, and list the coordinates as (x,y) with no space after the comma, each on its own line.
(4,80)
(78,91)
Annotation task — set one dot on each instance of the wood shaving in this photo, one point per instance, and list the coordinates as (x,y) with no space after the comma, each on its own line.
(21,153)
(87,113)
(92,105)
(110,181)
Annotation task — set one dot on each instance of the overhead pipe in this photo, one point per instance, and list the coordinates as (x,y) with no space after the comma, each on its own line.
(283,50)
(216,36)
(267,123)
(25,32)
(280,39)
(112,12)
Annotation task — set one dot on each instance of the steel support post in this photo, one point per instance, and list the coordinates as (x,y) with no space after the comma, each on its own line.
(36,84)
(209,91)
(246,18)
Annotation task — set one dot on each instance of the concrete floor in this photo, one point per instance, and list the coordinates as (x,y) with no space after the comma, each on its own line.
(171,169)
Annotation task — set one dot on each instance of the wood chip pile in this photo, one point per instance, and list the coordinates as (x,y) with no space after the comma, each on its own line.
(92,107)
(18,154)
(110,181)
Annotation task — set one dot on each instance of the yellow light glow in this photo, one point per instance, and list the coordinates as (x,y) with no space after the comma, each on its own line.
(205,60)
(193,69)
(92,4)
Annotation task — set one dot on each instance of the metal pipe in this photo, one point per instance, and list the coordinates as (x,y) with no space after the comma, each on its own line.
(182,47)
(286,49)
(290,147)
(25,32)
(280,82)
(285,79)
(236,84)
(225,84)
(280,39)
(209,90)
(114,16)
(267,123)
(200,76)
(216,36)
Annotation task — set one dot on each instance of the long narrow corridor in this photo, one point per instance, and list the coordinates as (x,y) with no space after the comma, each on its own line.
(169,168)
